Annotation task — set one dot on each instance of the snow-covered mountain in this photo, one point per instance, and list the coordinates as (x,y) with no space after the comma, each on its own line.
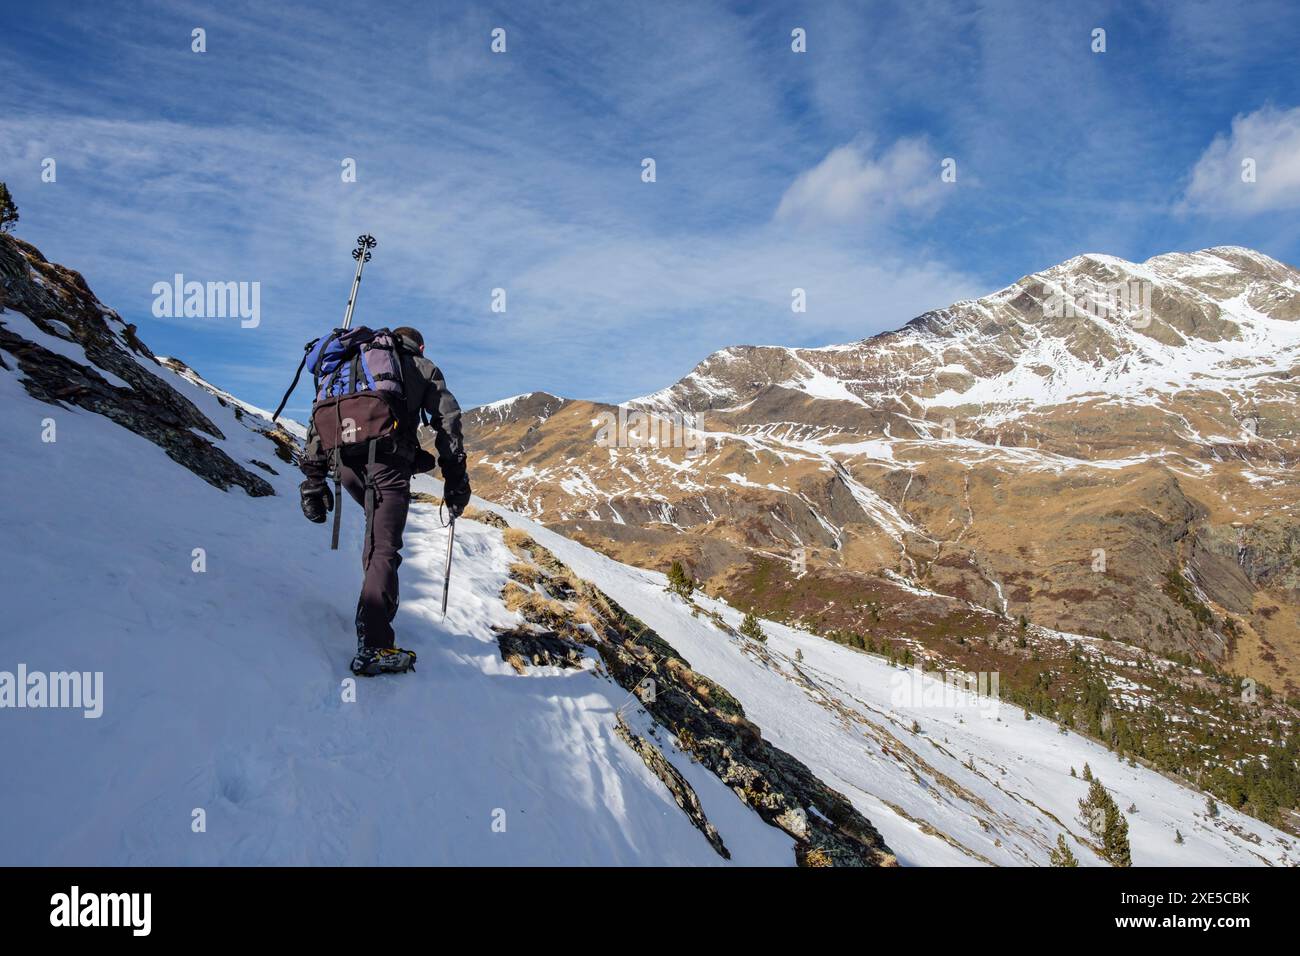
(157,541)
(1055,450)
(1096,327)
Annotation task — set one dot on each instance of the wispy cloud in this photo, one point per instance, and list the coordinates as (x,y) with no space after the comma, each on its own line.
(1253,168)
(855,184)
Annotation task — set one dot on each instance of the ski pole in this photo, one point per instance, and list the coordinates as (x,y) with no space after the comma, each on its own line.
(446,573)
(362,254)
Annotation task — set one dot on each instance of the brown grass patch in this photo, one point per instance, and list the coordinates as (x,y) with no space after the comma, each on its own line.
(525,573)
(534,608)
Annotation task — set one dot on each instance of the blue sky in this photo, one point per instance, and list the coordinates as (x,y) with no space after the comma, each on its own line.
(522,170)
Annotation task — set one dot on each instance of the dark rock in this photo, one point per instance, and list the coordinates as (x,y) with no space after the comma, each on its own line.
(57,300)
(524,645)
(682,791)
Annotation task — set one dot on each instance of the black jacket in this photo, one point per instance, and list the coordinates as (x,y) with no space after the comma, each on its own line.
(427,396)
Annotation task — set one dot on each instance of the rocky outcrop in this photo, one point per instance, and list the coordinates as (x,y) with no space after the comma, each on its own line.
(707,722)
(522,647)
(59,304)
(683,793)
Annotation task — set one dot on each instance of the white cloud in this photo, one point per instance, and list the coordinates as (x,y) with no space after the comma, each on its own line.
(1270,137)
(850,185)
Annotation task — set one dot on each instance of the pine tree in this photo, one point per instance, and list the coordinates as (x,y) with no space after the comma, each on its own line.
(1115,838)
(1178,836)
(798,655)
(1087,773)
(679,582)
(1211,808)
(8,210)
(1062,855)
(1105,820)
(752,629)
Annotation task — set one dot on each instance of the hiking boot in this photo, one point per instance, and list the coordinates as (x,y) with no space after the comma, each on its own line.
(372,661)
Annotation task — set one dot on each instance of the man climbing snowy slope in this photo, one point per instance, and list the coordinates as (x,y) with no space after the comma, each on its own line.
(397,458)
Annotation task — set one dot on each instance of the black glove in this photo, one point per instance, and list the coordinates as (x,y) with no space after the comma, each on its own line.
(456,495)
(424,461)
(316,500)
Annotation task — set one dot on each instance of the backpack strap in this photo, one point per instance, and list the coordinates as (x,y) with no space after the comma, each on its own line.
(305,352)
(338,511)
(370,505)
(358,382)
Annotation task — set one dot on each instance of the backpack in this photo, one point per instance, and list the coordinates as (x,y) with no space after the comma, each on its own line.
(360,399)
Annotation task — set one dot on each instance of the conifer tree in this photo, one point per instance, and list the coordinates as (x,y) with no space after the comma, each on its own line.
(679,582)
(1105,820)
(1062,855)
(752,629)
(8,210)
(1115,838)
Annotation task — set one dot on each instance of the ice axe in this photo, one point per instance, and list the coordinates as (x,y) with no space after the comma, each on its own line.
(446,572)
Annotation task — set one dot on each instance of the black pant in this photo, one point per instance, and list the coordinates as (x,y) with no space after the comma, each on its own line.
(381,552)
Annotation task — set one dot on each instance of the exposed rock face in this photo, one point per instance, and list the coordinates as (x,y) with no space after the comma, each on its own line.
(1054,450)
(114,381)
(522,647)
(677,785)
(705,719)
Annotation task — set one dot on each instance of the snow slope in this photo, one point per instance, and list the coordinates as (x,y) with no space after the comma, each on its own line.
(223,689)
(224,692)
